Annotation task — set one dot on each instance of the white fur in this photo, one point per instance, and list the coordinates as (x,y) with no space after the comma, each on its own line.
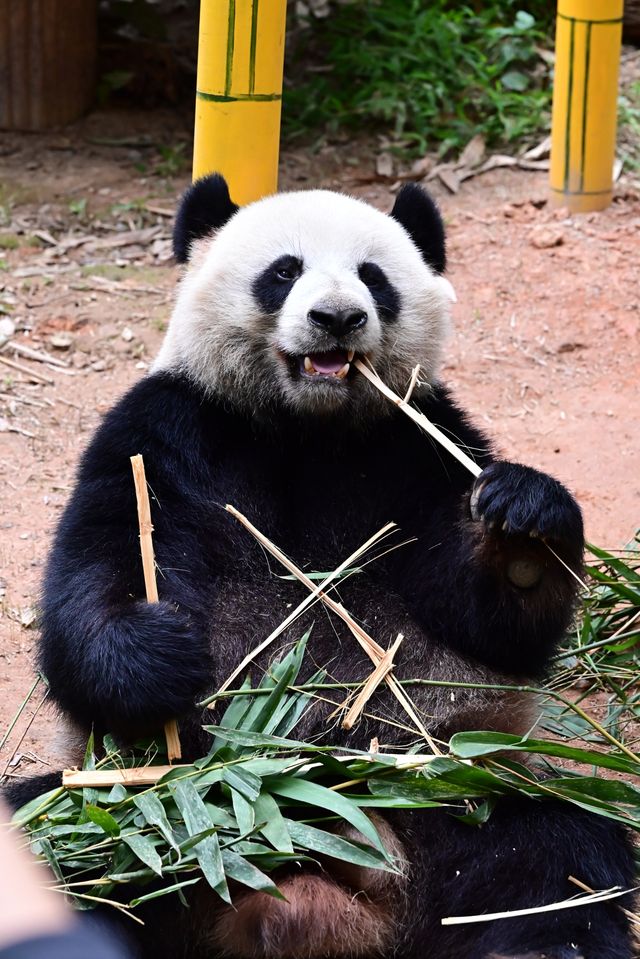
(220,338)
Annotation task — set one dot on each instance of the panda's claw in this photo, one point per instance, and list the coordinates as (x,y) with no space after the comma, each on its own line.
(511,499)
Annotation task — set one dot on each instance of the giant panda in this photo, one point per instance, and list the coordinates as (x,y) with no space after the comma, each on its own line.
(254,400)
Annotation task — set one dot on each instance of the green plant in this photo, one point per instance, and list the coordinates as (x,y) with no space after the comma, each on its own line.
(173,160)
(427,74)
(629,123)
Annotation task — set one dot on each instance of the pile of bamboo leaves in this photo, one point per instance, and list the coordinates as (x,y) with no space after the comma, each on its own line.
(261,798)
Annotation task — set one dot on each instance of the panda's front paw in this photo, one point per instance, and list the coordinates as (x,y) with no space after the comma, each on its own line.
(509,499)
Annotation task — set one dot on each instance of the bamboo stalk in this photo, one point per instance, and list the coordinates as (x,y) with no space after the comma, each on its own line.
(96,778)
(382,669)
(419,418)
(150,775)
(174,749)
(373,650)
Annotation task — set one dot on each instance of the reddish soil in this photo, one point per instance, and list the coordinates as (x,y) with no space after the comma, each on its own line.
(545,349)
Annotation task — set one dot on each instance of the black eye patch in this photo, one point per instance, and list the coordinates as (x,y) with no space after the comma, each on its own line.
(384,293)
(272,287)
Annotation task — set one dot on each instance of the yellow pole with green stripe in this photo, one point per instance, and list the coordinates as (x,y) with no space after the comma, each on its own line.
(239,94)
(585,95)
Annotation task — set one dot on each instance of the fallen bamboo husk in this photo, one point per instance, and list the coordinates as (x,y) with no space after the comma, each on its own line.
(375,652)
(174,749)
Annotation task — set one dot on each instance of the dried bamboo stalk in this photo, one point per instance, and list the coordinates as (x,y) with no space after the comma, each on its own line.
(419,418)
(174,749)
(150,775)
(382,669)
(38,377)
(139,776)
(370,646)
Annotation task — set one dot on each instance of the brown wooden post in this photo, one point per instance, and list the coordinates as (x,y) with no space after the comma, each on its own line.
(47,62)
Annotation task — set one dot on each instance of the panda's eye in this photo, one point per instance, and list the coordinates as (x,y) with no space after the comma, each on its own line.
(287,270)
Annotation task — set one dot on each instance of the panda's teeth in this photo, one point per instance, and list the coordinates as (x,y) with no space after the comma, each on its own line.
(308,365)
(343,372)
(350,355)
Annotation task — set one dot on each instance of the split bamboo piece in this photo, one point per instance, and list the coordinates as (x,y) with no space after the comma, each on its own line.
(316,593)
(373,650)
(419,418)
(174,750)
(96,778)
(383,668)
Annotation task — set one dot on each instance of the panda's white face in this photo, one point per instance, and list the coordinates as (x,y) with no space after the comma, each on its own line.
(276,305)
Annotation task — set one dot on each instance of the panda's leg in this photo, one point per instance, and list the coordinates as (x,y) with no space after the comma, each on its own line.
(520,859)
(21,790)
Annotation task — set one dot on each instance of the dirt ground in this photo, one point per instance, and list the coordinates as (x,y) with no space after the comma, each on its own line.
(545,349)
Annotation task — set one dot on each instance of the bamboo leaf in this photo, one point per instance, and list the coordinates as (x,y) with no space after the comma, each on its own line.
(155,814)
(274,828)
(312,794)
(197,820)
(329,844)
(144,848)
(244,812)
(166,890)
(103,819)
(476,744)
(242,781)
(238,868)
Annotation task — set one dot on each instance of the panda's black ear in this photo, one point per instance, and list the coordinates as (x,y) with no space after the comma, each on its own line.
(204,207)
(420,217)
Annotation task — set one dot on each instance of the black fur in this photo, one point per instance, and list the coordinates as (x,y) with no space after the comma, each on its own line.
(384,293)
(420,217)
(205,206)
(114,660)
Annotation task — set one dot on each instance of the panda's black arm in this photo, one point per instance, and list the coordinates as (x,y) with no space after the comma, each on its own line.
(494,571)
(111,658)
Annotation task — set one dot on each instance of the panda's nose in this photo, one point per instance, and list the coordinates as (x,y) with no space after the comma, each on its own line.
(337,322)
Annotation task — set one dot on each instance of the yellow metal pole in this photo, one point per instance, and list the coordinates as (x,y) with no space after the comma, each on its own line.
(239,94)
(585,93)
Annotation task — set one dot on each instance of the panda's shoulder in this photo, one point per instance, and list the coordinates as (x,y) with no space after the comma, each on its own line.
(163,415)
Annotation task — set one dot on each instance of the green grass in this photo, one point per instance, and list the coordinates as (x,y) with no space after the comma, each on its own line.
(429,75)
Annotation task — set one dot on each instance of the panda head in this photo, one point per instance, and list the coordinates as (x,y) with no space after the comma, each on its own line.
(279,297)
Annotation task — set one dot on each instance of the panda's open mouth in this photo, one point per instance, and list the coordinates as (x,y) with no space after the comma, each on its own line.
(332,365)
